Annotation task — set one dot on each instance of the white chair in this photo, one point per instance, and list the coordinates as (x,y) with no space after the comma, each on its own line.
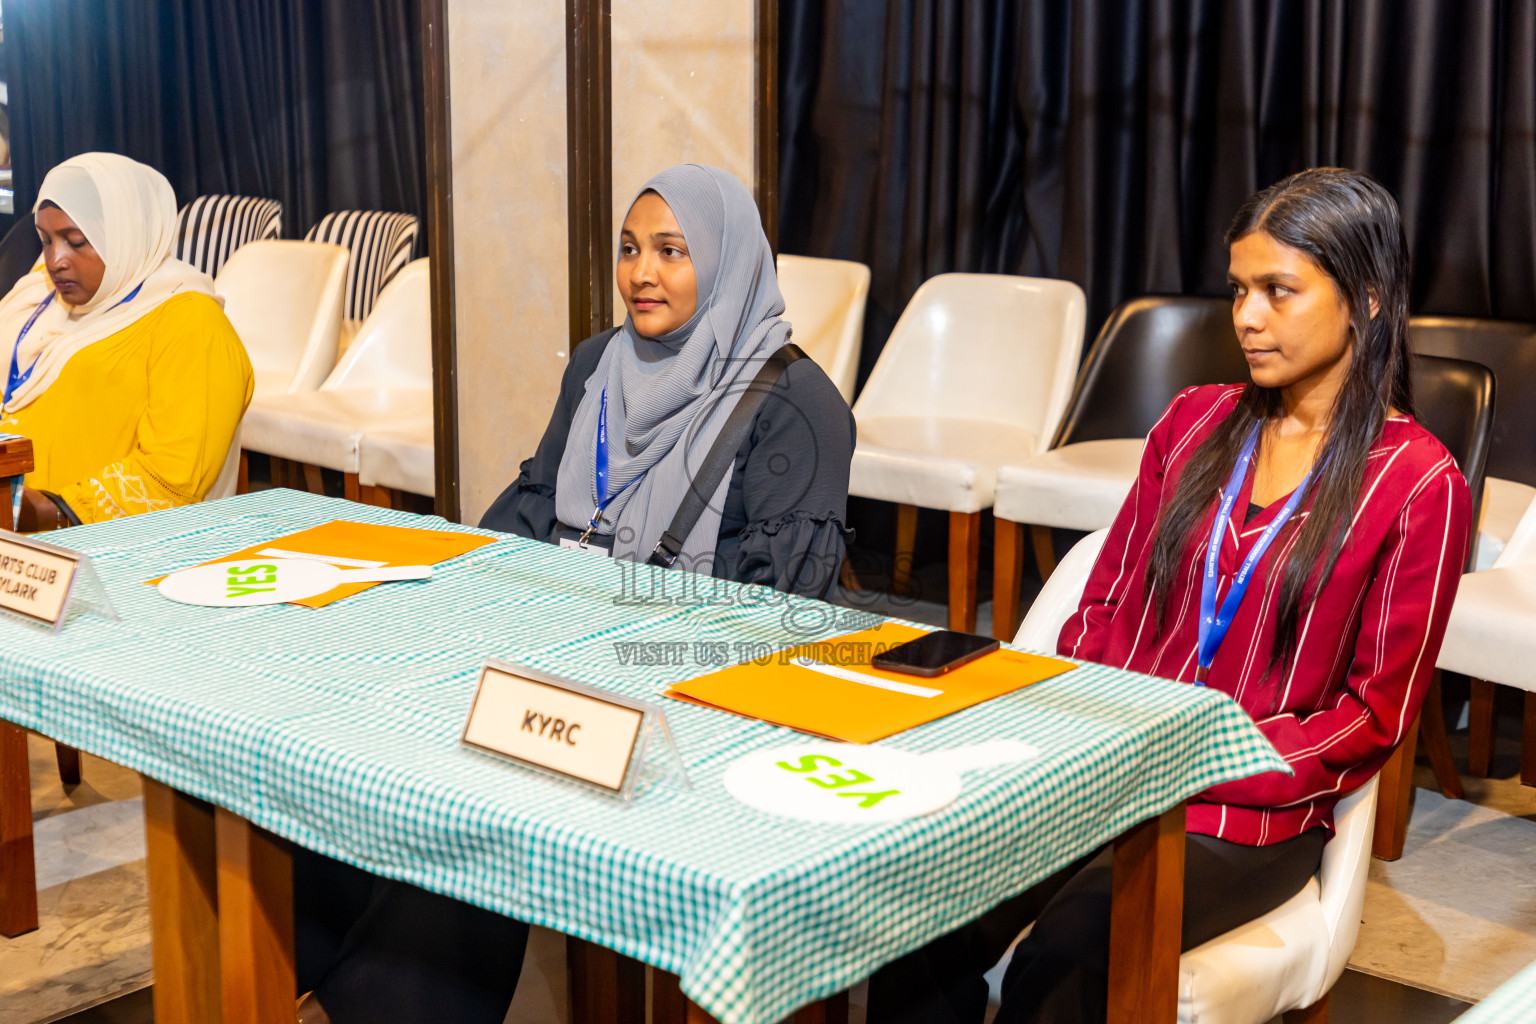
(209,228)
(397,458)
(1490,638)
(284,300)
(976,375)
(228,479)
(379,245)
(824,300)
(384,379)
(1286,961)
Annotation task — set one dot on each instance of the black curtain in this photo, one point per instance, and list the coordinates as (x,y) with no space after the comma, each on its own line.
(318,105)
(1109,142)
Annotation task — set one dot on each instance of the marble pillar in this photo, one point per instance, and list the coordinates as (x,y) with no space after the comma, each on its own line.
(682,92)
(507,96)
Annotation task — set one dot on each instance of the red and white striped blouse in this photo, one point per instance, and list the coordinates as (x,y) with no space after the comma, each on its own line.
(1367,644)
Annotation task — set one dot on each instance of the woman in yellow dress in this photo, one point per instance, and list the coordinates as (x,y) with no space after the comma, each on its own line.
(123,369)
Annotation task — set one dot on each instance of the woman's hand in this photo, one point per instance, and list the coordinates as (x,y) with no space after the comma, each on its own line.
(38,513)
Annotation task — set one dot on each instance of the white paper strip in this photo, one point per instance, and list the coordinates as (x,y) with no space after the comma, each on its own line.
(356,563)
(859,677)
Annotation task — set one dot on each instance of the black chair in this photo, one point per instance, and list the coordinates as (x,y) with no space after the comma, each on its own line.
(19,250)
(1149,350)
(1454,400)
(1508,348)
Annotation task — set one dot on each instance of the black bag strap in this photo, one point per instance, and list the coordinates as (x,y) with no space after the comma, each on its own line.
(721,456)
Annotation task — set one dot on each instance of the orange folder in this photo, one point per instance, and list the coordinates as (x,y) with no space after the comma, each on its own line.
(824,704)
(371,542)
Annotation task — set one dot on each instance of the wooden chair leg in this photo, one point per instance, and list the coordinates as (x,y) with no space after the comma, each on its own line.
(1045,551)
(243,477)
(906,540)
(69,764)
(18,868)
(382,497)
(1480,728)
(1394,802)
(1436,744)
(1007,569)
(1528,741)
(313,482)
(1317,1013)
(964,551)
(349,488)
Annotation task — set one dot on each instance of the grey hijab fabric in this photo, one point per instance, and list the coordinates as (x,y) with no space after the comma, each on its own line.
(669,397)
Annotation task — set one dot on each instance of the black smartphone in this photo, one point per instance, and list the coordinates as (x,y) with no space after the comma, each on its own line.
(934,653)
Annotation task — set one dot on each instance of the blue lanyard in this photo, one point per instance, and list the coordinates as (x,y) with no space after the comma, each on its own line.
(1213,623)
(17,378)
(600,471)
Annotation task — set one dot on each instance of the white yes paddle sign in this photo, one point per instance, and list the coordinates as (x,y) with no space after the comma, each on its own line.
(847,784)
(273,581)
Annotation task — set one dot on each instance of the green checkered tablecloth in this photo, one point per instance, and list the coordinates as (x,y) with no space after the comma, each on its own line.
(1513,1002)
(338,728)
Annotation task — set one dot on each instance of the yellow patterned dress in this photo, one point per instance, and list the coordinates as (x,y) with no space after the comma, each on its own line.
(141,420)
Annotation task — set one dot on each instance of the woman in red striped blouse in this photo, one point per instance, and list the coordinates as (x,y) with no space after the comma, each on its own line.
(1352,524)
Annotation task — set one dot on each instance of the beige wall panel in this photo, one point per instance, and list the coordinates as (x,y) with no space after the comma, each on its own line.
(682,92)
(507,82)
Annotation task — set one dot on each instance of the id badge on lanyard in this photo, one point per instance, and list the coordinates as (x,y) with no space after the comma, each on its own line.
(599,481)
(1215,622)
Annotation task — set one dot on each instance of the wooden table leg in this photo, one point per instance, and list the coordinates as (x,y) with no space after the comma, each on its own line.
(832,1010)
(183,906)
(18,869)
(605,987)
(256,965)
(1146,920)
(670,1006)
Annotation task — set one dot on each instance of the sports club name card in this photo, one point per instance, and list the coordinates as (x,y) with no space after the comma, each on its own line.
(557,726)
(36,578)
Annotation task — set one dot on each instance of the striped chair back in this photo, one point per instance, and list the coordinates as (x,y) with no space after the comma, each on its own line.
(378,245)
(209,228)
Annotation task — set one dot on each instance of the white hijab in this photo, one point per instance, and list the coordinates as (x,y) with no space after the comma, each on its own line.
(127,211)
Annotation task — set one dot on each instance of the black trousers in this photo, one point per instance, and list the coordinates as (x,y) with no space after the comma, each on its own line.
(1060,971)
(376,950)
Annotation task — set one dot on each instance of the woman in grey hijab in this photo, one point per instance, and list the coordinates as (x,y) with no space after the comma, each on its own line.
(641,406)
(639,409)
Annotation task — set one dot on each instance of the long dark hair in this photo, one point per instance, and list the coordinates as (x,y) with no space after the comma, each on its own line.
(1348,224)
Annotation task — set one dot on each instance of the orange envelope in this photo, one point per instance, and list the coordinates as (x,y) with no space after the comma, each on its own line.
(816,701)
(371,542)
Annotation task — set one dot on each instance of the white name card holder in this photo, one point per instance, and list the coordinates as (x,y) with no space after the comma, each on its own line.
(45,585)
(603,741)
